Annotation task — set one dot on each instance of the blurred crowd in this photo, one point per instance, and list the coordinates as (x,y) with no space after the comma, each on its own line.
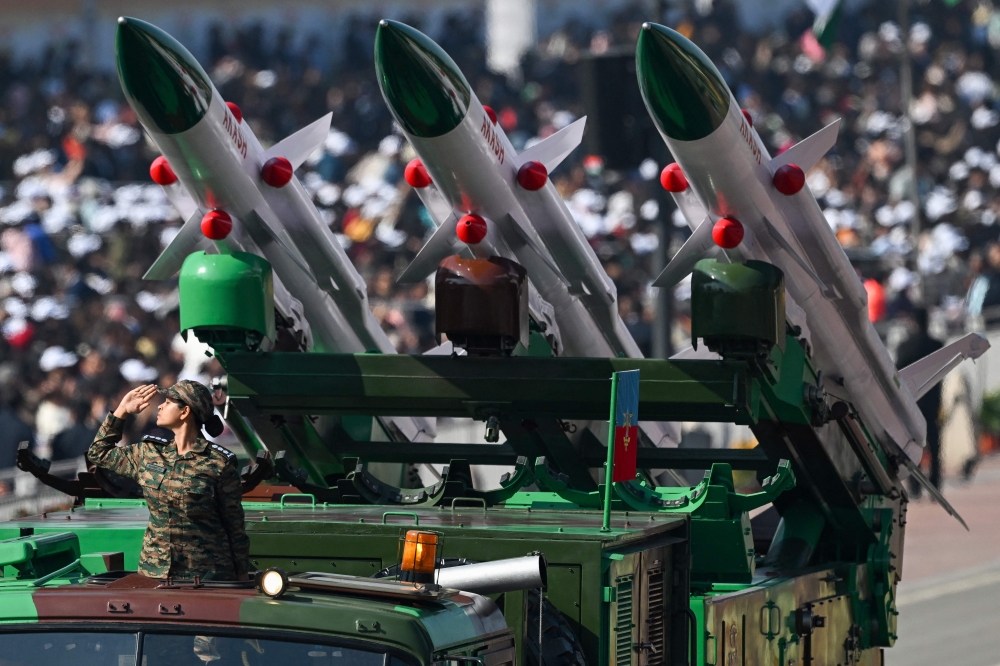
(80,220)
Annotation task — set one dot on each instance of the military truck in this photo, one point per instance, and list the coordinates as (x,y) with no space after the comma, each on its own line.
(801,569)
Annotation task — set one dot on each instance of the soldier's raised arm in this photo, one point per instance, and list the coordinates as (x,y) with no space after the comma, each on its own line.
(104,451)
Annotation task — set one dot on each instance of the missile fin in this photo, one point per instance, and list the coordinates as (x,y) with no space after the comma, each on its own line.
(690,206)
(929,487)
(552,150)
(921,376)
(296,148)
(828,292)
(700,354)
(181,200)
(446,348)
(435,203)
(263,235)
(809,151)
(523,230)
(442,243)
(697,247)
(187,240)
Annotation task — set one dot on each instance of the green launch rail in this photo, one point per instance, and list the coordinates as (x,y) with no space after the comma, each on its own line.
(517,387)
(513,390)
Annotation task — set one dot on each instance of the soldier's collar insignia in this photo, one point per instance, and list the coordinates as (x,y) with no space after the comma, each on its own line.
(153,439)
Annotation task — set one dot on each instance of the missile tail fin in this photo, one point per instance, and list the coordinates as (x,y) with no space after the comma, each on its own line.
(921,376)
(697,247)
(552,150)
(296,148)
(929,487)
(187,240)
(809,151)
(442,243)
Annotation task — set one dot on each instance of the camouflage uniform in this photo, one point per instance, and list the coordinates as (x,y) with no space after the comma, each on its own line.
(195,510)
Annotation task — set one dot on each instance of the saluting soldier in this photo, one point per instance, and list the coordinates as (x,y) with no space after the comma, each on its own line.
(192,487)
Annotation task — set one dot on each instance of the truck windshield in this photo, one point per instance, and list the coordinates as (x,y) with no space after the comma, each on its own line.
(118,649)
(78,649)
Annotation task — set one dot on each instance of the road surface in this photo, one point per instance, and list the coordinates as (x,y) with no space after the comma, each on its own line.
(949,598)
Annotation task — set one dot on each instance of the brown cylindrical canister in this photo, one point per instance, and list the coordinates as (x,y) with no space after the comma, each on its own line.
(482,304)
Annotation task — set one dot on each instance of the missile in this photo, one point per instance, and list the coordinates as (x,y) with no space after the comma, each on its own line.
(743,204)
(235,195)
(489,200)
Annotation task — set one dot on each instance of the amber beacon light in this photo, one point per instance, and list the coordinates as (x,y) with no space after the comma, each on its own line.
(419,558)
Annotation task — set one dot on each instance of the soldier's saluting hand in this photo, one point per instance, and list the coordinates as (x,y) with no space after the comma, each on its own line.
(192,487)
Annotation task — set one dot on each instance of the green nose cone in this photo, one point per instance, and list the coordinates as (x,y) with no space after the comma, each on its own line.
(684,92)
(425,90)
(163,82)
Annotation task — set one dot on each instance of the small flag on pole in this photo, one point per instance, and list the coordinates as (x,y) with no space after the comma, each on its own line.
(626,425)
(827,22)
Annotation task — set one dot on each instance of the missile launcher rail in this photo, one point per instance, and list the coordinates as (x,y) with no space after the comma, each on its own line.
(683,576)
(822,587)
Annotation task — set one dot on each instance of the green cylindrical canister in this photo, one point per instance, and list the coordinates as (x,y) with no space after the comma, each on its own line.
(738,305)
(220,292)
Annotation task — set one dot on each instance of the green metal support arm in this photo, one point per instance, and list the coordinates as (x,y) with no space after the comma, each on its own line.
(772,486)
(516,387)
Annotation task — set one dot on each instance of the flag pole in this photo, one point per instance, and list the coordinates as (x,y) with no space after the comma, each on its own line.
(610,465)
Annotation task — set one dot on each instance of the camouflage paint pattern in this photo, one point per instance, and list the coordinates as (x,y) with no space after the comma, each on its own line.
(420,628)
(195,514)
(756,625)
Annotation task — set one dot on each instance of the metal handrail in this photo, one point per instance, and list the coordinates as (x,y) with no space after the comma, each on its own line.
(59,467)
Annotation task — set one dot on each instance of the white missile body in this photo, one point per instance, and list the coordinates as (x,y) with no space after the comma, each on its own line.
(217,160)
(561,265)
(474,169)
(210,165)
(732,174)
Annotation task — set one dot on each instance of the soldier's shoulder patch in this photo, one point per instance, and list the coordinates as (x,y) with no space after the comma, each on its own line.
(155,440)
(227,454)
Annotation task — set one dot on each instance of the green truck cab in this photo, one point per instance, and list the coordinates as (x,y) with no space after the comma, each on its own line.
(82,614)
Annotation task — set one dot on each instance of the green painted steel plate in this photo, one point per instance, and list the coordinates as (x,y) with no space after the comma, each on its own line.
(521,387)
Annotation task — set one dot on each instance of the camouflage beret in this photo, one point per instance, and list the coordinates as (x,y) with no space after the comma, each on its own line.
(193,394)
